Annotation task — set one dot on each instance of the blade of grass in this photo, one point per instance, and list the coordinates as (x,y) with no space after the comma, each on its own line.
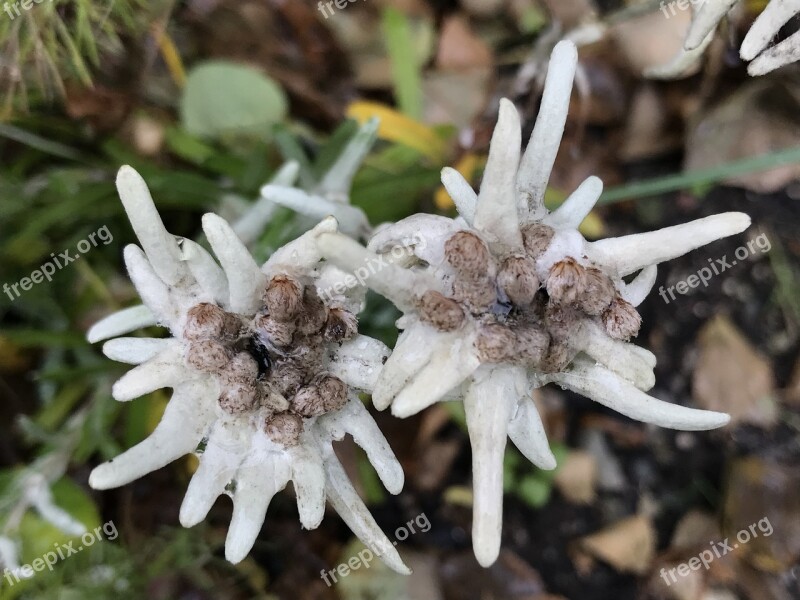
(39,143)
(405,67)
(700,177)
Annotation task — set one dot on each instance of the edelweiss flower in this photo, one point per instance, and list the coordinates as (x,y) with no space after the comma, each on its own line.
(331,194)
(264,375)
(707,17)
(510,297)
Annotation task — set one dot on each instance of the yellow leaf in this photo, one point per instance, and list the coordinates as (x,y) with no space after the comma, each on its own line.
(396,127)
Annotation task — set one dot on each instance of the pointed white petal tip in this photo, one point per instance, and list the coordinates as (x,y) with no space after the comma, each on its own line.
(486,554)
(565,51)
(100,477)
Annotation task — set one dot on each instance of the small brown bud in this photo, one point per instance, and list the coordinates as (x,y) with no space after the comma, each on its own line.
(209,321)
(308,402)
(532,343)
(517,278)
(314,313)
(443,313)
(566,281)
(238,397)
(467,254)
(275,332)
(283,297)
(242,367)
(207,355)
(284,429)
(478,295)
(496,344)
(536,238)
(341,325)
(621,319)
(561,321)
(333,392)
(599,293)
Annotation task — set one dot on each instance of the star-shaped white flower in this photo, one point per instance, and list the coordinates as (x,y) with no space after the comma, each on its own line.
(265,376)
(754,49)
(330,196)
(509,297)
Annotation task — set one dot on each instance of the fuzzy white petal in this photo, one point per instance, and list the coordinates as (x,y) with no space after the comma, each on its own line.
(355,419)
(255,218)
(527,432)
(782,54)
(120,323)
(638,289)
(257,481)
(135,351)
(575,208)
(246,282)
(218,464)
(160,246)
(308,476)
(397,284)
(496,213)
(352,220)
(302,253)
(448,367)
(205,270)
(488,403)
(776,14)
(705,19)
(358,361)
(152,290)
(413,350)
(633,252)
(180,431)
(424,234)
(351,509)
(684,64)
(461,192)
(337,181)
(164,370)
(627,360)
(603,386)
(540,155)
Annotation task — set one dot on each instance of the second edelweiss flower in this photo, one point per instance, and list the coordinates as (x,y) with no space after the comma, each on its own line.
(265,375)
(509,297)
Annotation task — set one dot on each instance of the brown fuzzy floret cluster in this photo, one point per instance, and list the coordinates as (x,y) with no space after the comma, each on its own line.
(521,319)
(273,361)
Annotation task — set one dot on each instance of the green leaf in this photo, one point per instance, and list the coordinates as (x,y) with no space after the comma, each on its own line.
(534,490)
(223,99)
(405,63)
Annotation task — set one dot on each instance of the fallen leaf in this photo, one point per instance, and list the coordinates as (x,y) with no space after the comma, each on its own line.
(627,545)
(460,48)
(576,477)
(730,376)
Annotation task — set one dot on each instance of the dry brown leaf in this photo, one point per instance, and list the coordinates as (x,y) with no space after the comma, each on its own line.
(627,545)
(651,40)
(460,48)
(730,376)
(576,477)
